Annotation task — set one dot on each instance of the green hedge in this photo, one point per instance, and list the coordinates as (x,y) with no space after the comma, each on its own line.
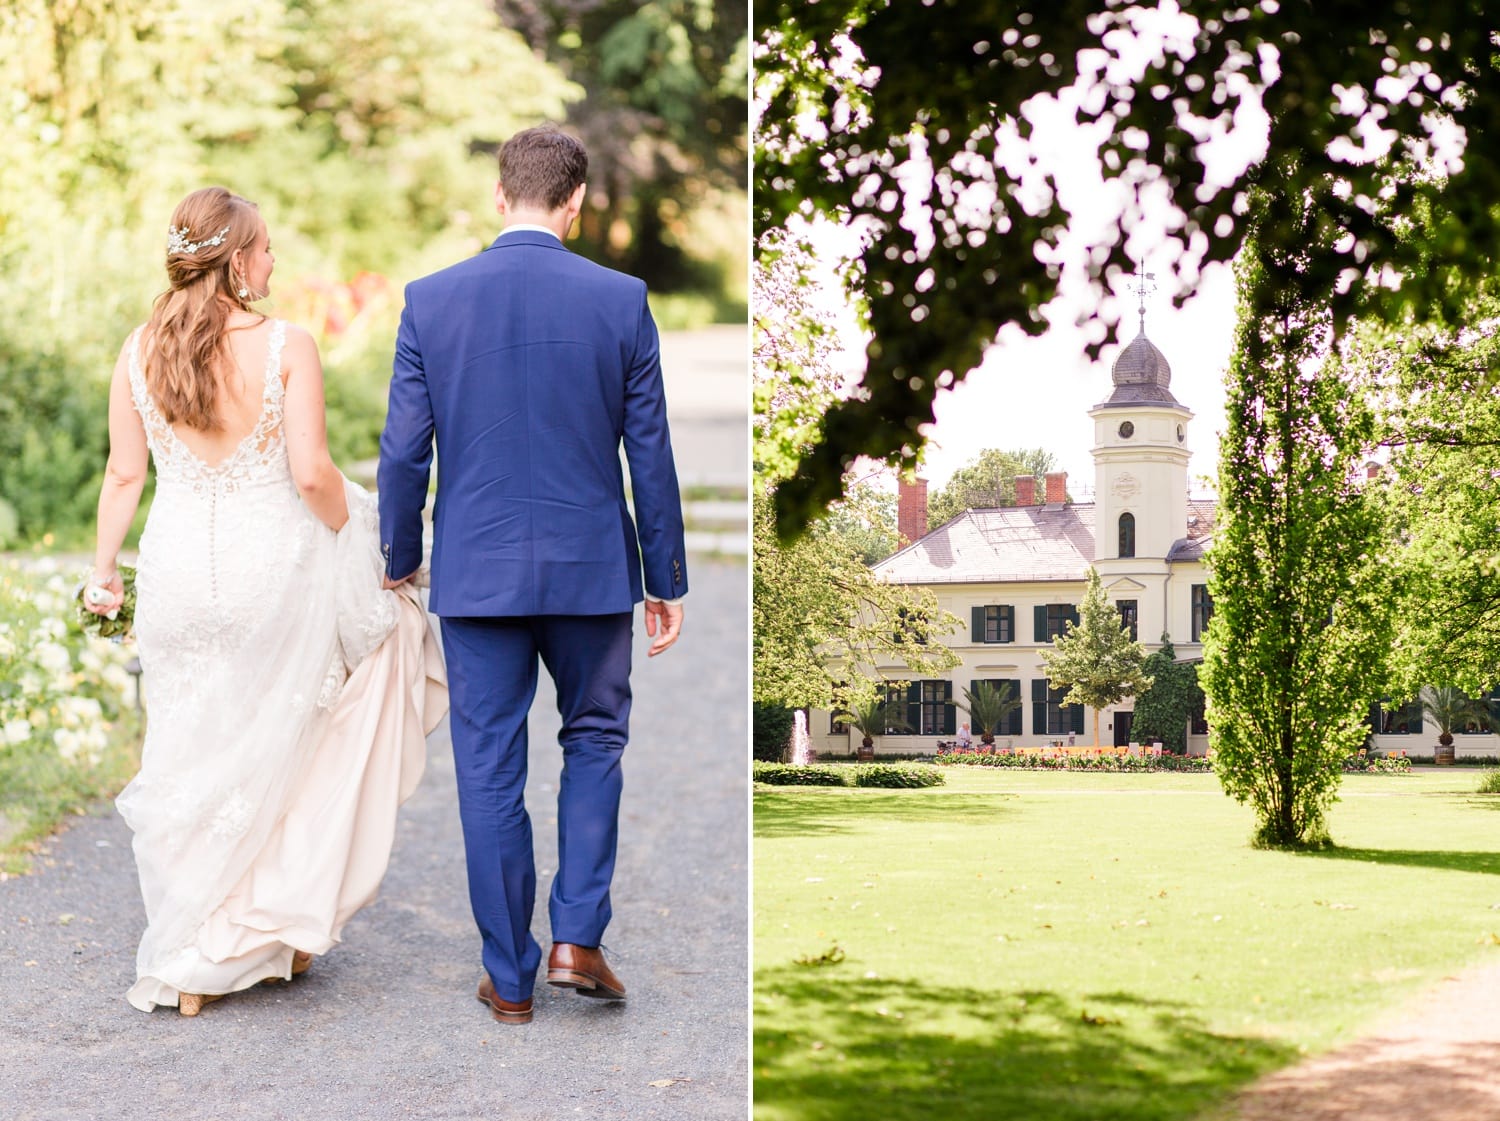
(784,774)
(864,774)
(909,778)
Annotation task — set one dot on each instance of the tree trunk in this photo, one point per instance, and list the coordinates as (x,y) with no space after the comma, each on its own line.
(1096,727)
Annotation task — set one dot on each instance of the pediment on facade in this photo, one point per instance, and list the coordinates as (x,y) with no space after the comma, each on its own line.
(1125,584)
(988,670)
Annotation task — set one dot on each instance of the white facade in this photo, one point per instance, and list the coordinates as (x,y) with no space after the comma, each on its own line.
(1009,574)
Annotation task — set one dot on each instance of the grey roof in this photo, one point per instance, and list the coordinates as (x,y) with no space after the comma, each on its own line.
(1141,376)
(1202,515)
(1022,543)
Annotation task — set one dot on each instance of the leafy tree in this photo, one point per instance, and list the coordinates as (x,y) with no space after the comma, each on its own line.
(664,117)
(1163,710)
(1357,103)
(819,613)
(1443,426)
(987,481)
(865,520)
(1096,661)
(771,727)
(988,706)
(1302,621)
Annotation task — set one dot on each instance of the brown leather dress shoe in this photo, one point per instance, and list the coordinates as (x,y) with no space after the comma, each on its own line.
(583,969)
(506,1011)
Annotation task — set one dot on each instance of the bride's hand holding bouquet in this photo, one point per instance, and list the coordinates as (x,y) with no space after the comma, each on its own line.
(106,608)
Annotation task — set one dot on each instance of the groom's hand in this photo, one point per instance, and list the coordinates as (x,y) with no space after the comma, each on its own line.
(665,617)
(388,583)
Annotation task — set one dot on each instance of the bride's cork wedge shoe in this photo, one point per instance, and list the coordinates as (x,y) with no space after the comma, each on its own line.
(190,1004)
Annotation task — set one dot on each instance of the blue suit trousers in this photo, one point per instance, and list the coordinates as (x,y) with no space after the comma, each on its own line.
(492,675)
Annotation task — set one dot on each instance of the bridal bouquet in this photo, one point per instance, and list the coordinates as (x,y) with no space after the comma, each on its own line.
(117,623)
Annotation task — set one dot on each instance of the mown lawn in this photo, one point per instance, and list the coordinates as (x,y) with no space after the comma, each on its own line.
(1086,946)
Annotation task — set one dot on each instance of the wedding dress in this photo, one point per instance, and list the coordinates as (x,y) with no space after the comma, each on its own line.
(289,698)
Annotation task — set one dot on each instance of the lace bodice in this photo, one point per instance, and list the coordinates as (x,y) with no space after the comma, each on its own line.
(260,457)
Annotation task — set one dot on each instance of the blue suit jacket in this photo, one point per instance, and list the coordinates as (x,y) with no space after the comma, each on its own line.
(530,365)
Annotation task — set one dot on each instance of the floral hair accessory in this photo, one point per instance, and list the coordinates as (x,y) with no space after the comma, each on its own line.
(178,241)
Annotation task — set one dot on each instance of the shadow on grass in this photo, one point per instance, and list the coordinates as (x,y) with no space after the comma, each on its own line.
(834,1048)
(1485,863)
(813,811)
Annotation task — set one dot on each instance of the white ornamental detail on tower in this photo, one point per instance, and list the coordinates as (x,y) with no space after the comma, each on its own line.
(1126,486)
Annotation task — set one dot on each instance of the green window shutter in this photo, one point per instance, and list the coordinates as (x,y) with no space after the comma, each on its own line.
(978,624)
(1039,706)
(950,713)
(1039,624)
(1073,614)
(1013,717)
(914,706)
(1008,622)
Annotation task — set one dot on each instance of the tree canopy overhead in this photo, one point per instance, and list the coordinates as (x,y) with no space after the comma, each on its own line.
(1364,109)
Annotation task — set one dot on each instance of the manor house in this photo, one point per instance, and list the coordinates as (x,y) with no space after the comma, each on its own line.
(1015,575)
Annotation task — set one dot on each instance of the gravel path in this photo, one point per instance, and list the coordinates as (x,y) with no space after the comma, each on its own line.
(386,1025)
(1437,1059)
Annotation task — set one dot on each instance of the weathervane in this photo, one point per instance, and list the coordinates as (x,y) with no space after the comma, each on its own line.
(1142,278)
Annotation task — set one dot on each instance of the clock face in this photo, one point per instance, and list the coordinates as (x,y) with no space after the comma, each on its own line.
(1181,435)
(1127,430)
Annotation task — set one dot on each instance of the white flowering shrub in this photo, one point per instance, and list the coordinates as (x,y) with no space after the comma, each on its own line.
(62,693)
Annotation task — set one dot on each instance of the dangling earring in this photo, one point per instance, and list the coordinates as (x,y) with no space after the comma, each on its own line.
(244,291)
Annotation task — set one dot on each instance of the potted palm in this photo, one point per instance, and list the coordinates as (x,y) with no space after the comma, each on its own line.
(988,707)
(871,718)
(1450,708)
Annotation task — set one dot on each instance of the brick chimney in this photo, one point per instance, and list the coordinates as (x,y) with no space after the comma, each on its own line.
(1372,470)
(1057,487)
(911,510)
(1025,490)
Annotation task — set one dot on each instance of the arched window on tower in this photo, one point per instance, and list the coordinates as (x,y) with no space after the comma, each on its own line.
(1127,535)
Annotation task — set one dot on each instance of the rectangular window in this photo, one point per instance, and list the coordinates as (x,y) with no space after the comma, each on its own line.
(925,706)
(1199,719)
(1129,617)
(995,622)
(1203,611)
(937,715)
(836,727)
(1492,702)
(1009,689)
(1049,716)
(1048,620)
(1397,720)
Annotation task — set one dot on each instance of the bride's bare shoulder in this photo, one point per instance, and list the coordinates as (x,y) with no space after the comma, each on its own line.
(300,351)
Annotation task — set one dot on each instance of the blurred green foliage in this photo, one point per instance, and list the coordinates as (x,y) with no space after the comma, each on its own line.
(364,129)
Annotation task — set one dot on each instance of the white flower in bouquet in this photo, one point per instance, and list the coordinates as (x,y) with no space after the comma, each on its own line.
(16,732)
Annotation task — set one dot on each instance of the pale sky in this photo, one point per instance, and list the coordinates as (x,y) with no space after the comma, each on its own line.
(1038,392)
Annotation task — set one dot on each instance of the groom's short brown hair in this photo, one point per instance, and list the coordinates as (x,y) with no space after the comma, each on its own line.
(542,167)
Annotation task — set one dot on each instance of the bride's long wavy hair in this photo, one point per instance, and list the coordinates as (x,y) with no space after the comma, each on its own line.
(187,325)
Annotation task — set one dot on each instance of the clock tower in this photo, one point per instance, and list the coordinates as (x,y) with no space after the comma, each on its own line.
(1140,460)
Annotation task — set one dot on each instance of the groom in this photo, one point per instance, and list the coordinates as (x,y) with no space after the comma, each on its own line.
(530,366)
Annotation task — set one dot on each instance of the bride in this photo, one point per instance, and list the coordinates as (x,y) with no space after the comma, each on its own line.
(289,693)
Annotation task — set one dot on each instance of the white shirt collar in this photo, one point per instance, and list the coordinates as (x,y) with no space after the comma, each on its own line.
(524,227)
